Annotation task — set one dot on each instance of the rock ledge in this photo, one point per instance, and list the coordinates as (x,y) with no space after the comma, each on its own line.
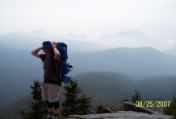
(121,115)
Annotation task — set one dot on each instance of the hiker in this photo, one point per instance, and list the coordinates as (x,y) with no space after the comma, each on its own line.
(50,87)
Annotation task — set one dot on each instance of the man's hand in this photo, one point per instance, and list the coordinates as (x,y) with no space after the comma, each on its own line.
(56,52)
(53,45)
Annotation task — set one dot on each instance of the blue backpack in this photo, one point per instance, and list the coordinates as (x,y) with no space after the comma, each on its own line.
(64,67)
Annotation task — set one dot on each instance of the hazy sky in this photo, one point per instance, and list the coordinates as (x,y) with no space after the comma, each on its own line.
(155,18)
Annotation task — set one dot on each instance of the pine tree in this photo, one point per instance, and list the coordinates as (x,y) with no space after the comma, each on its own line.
(39,108)
(71,103)
(122,108)
(74,104)
(99,108)
(171,109)
(136,96)
(85,104)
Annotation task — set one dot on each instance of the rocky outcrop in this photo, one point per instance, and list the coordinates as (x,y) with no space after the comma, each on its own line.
(107,110)
(121,115)
(128,106)
(131,112)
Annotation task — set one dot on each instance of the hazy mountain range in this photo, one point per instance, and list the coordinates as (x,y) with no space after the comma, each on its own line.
(33,40)
(110,88)
(83,42)
(136,62)
(18,68)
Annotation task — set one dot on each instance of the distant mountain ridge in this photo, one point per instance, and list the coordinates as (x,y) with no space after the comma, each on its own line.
(33,40)
(131,38)
(115,87)
(131,34)
(137,62)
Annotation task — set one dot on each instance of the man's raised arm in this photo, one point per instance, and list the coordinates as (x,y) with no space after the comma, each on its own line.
(35,52)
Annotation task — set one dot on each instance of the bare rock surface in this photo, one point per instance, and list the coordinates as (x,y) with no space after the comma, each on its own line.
(129,106)
(122,115)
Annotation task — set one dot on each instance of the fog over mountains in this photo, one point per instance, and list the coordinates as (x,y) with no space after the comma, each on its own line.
(18,68)
(131,38)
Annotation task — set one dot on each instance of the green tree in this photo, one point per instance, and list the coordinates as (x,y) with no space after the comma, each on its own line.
(171,109)
(99,108)
(122,108)
(38,108)
(84,104)
(136,96)
(74,103)
(105,109)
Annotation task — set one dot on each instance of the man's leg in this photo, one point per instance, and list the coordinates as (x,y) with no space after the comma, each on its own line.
(56,110)
(50,110)
(45,91)
(54,98)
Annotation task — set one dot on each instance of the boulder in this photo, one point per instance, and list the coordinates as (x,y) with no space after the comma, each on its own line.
(107,110)
(129,106)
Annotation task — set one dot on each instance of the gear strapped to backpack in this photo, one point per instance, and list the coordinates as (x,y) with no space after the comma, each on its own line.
(62,68)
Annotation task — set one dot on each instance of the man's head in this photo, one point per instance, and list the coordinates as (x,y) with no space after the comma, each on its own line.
(47,47)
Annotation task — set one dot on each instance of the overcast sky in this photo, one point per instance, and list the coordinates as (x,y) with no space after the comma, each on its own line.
(156,18)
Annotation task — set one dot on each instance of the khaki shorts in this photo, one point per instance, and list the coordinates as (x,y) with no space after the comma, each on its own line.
(50,92)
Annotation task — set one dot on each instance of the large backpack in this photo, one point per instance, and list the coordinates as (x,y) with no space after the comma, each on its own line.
(64,67)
